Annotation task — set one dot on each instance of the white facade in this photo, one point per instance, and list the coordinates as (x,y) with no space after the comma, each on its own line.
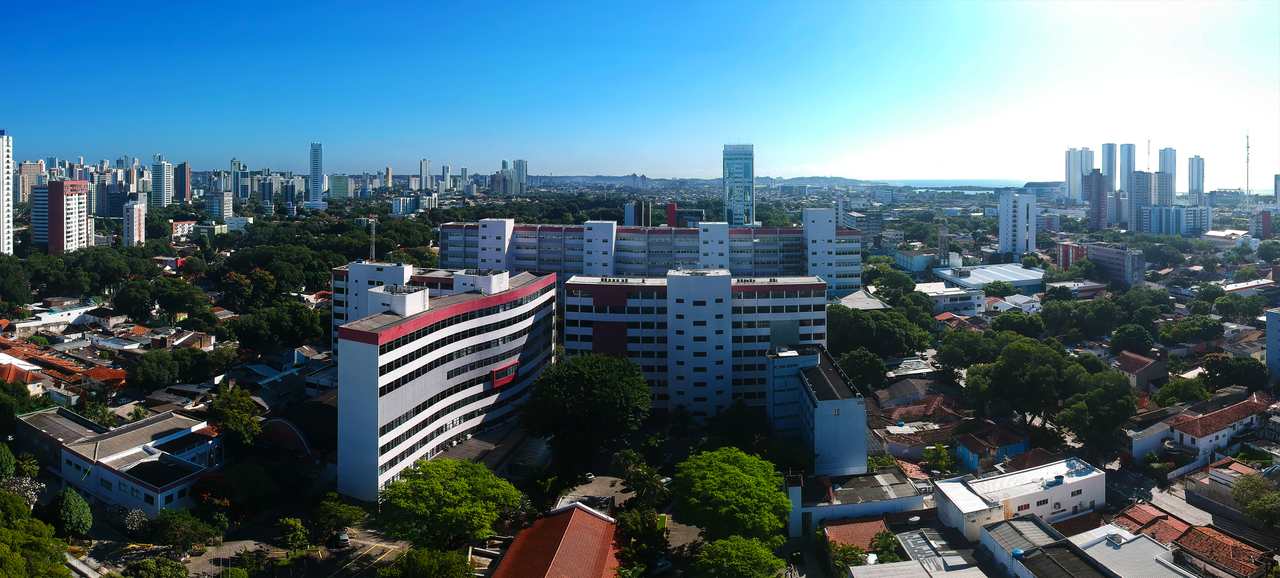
(135,224)
(738,181)
(699,336)
(958,300)
(1054,492)
(161,194)
(1017,223)
(8,177)
(602,248)
(424,175)
(315,184)
(429,364)
(1079,162)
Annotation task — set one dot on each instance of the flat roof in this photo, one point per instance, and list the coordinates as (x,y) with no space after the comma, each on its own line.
(939,288)
(381,321)
(827,380)
(873,486)
(62,424)
(973,495)
(131,436)
(160,471)
(662,281)
(1061,559)
(980,275)
(1128,555)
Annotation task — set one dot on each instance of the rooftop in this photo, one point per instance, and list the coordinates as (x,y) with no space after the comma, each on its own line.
(383,321)
(827,381)
(572,541)
(1221,550)
(979,275)
(1150,520)
(883,484)
(1128,555)
(970,495)
(1062,559)
(940,289)
(862,300)
(855,532)
(1220,419)
(1022,533)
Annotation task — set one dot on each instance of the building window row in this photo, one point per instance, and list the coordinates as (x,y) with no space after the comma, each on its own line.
(456,319)
(400,457)
(436,344)
(428,367)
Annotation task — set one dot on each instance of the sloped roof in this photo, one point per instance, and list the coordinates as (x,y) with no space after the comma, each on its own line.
(10,373)
(1219,420)
(1152,521)
(858,533)
(1130,362)
(569,542)
(1212,545)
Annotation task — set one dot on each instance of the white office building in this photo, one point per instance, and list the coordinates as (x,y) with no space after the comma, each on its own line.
(602,248)
(424,175)
(161,194)
(8,177)
(1018,214)
(134,231)
(1054,491)
(219,205)
(315,184)
(699,336)
(739,181)
(428,358)
(1079,162)
(957,300)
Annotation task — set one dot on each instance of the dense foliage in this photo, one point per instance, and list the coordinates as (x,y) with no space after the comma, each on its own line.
(727,492)
(443,503)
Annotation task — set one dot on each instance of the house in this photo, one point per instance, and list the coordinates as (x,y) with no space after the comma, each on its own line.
(957,300)
(858,533)
(1055,492)
(104,317)
(572,541)
(1251,344)
(1080,289)
(1143,372)
(991,443)
(1024,303)
(150,464)
(904,391)
(1150,520)
(819,499)
(1215,430)
(1215,553)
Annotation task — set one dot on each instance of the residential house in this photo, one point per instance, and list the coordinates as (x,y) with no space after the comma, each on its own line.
(904,391)
(1144,373)
(1213,552)
(988,445)
(1150,520)
(1214,430)
(572,541)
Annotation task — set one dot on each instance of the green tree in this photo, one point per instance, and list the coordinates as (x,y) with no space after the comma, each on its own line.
(27,466)
(135,300)
(180,529)
(1209,292)
(1058,294)
(885,546)
(864,368)
(443,503)
(1222,370)
(234,410)
(1026,324)
(999,289)
(293,534)
(155,370)
(8,463)
(886,333)
(586,403)
(427,563)
(939,457)
(842,556)
(1030,261)
(1249,488)
(641,538)
(1028,379)
(1191,329)
(332,515)
(728,492)
(1096,415)
(1180,390)
(1132,338)
(28,547)
(159,567)
(736,557)
(74,516)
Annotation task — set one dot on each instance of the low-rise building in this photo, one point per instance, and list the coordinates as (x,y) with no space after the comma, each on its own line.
(810,398)
(572,541)
(1026,280)
(149,465)
(1206,433)
(1118,263)
(958,300)
(1055,492)
(1213,552)
(1144,373)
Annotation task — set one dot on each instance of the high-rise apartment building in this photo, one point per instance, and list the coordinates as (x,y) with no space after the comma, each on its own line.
(424,175)
(1275,191)
(739,181)
(1175,220)
(1109,165)
(182,182)
(1018,214)
(602,248)
(220,204)
(1079,162)
(1164,189)
(1126,167)
(1169,164)
(29,176)
(1195,179)
(134,232)
(339,187)
(1097,193)
(68,222)
(1143,194)
(521,168)
(699,336)
(387,179)
(7,193)
(161,194)
(428,357)
(315,185)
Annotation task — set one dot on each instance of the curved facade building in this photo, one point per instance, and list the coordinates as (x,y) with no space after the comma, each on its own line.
(429,358)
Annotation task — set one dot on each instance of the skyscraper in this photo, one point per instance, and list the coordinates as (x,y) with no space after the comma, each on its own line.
(444,178)
(68,223)
(237,172)
(1096,192)
(1109,164)
(1164,189)
(739,181)
(521,167)
(386,179)
(424,175)
(315,185)
(1079,163)
(1169,164)
(1195,179)
(1142,195)
(182,182)
(135,222)
(1126,167)
(161,194)
(1017,222)
(7,178)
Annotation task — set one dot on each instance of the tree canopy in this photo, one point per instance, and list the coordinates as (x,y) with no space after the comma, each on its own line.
(999,289)
(1095,416)
(886,333)
(728,492)
(28,548)
(585,401)
(234,410)
(1131,338)
(443,503)
(736,557)
(864,368)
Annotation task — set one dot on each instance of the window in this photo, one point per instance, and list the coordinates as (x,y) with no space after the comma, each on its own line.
(149,499)
(1041,502)
(1075,493)
(1024,507)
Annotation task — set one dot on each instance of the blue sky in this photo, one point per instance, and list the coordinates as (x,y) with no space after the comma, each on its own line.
(901,90)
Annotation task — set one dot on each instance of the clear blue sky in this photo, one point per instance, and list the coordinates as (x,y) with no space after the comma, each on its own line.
(858,89)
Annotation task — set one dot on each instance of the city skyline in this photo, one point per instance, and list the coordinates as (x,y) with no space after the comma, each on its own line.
(850,97)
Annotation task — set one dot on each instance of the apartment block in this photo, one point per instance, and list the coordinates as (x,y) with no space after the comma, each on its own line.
(1118,263)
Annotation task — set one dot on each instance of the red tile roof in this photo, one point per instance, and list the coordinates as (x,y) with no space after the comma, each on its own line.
(10,373)
(855,532)
(931,406)
(1148,519)
(1032,458)
(106,375)
(1130,362)
(1216,421)
(570,542)
(912,471)
(1223,551)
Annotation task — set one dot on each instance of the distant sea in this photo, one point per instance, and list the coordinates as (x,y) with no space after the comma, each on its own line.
(956,183)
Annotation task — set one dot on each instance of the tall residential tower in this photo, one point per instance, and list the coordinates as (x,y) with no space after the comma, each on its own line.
(739,180)
(6,193)
(315,185)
